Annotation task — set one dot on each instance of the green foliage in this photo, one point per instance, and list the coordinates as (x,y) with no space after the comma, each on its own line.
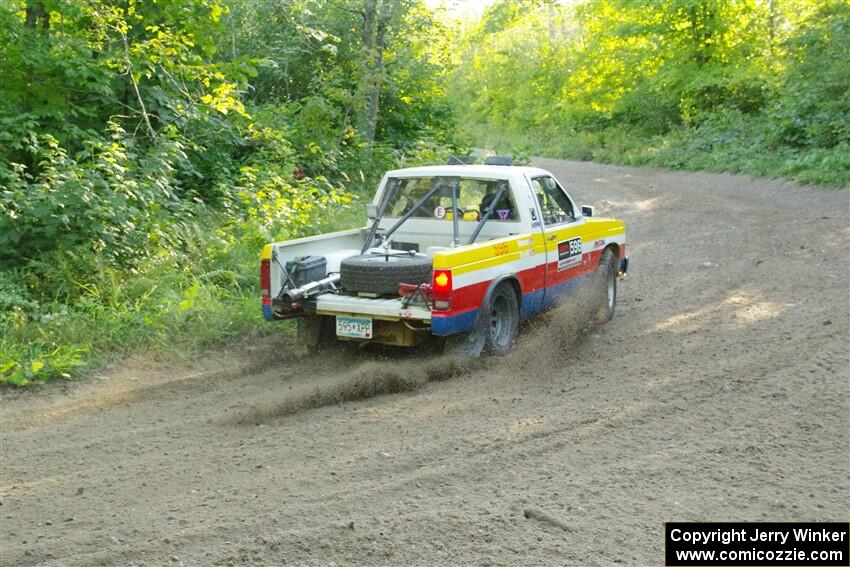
(760,87)
(174,300)
(814,107)
(108,199)
(149,149)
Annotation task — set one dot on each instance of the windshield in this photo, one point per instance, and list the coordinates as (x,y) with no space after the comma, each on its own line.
(474,196)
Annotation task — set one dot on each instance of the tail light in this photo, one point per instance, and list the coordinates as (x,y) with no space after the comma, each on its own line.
(442,287)
(266,281)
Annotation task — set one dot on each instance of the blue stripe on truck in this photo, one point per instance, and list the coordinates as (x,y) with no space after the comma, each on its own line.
(267,313)
(444,325)
(532,303)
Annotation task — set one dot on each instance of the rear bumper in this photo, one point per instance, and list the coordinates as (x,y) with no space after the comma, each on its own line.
(379,308)
(391,309)
(392,322)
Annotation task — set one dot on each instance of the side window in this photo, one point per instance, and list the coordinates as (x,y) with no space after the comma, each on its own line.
(556,206)
(407,193)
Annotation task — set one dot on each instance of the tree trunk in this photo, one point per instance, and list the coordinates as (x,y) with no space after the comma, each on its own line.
(377,78)
(369,10)
(377,16)
(367,37)
(34,12)
(771,23)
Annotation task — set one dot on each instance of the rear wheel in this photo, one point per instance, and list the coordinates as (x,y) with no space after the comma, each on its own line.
(502,324)
(606,286)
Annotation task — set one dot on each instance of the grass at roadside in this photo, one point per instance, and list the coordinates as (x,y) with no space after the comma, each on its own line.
(171,304)
(72,310)
(720,147)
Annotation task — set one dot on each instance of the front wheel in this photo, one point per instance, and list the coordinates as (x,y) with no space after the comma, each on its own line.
(502,324)
(606,286)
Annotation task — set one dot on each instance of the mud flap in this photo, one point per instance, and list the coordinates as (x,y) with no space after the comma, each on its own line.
(309,331)
(468,345)
(471,344)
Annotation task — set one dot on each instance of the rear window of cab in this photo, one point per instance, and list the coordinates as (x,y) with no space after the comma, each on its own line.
(473,198)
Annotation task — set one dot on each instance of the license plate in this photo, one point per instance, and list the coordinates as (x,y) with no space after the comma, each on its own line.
(356,327)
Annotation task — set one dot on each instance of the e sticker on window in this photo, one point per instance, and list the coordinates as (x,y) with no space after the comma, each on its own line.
(440,212)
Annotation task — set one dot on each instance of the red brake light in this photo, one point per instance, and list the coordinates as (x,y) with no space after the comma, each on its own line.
(442,284)
(265,278)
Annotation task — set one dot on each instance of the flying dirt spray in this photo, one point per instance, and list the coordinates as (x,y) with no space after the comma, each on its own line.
(544,341)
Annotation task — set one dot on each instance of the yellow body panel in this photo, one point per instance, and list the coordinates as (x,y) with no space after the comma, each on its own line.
(508,249)
(486,254)
(590,230)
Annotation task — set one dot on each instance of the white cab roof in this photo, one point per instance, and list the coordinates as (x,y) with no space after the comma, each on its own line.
(476,171)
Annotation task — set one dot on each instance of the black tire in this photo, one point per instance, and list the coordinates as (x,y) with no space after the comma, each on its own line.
(502,323)
(606,286)
(381,273)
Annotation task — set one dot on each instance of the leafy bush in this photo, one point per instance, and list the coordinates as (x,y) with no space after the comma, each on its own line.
(758,87)
(149,149)
(814,107)
(111,199)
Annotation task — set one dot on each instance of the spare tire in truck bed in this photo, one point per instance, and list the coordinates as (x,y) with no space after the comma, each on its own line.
(381,273)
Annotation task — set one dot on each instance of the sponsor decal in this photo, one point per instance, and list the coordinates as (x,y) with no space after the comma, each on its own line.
(503,213)
(440,212)
(569,253)
(500,249)
(599,243)
(533,213)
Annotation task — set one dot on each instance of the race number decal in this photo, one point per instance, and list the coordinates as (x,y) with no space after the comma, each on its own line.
(569,253)
(500,249)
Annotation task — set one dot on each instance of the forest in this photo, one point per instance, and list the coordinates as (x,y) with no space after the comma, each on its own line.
(148,148)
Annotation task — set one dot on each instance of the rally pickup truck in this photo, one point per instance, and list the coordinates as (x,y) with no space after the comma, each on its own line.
(460,252)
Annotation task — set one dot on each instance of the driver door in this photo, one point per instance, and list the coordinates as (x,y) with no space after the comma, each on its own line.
(563,227)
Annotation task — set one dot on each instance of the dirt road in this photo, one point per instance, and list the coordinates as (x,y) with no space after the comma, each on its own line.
(719,391)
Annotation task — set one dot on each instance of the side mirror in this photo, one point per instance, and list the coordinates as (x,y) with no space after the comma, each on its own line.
(587,211)
(371,211)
